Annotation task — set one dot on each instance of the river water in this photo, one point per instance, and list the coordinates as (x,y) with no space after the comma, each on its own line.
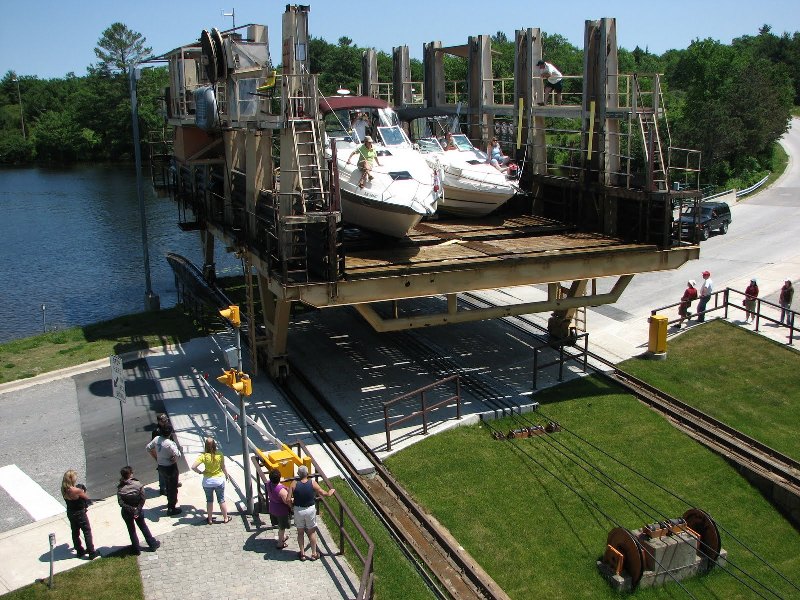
(70,239)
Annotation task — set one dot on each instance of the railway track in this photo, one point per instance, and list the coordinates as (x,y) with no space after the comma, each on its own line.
(767,462)
(447,568)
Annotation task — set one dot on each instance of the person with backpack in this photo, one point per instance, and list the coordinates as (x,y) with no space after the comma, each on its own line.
(130,496)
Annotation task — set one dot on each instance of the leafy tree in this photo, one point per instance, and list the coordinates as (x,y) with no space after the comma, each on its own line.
(60,138)
(119,48)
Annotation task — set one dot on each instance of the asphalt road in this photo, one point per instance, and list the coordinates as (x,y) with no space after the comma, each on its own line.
(762,235)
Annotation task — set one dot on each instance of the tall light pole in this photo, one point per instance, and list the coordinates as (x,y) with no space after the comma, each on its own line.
(21,114)
(151,300)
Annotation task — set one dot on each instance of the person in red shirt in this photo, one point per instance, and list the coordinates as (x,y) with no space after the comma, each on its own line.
(689,296)
(750,296)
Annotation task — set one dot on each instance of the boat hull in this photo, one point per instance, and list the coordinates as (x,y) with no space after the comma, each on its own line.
(386,204)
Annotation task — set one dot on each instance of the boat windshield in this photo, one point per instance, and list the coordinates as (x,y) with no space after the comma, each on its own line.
(393,136)
(427,145)
(462,142)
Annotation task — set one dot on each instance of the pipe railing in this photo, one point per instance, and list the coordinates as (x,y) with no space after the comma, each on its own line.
(425,408)
(722,302)
(341,516)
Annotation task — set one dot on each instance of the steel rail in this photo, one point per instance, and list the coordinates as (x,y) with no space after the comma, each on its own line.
(456,572)
(738,446)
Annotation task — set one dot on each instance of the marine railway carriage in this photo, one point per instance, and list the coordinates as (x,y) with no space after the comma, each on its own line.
(231,112)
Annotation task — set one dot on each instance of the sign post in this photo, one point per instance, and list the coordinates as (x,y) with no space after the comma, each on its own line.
(118,387)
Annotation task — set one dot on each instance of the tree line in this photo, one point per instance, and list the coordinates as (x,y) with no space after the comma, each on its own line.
(730,101)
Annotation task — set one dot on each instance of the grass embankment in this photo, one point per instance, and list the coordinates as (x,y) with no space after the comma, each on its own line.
(395,577)
(780,160)
(28,357)
(737,376)
(508,502)
(114,577)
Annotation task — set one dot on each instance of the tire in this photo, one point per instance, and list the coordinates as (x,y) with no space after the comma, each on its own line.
(724,229)
(705,233)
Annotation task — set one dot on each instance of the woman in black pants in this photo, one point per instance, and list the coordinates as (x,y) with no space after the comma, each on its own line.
(130,495)
(77,501)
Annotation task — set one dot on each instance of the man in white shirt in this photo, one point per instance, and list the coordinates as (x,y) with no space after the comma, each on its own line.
(552,78)
(166,453)
(705,296)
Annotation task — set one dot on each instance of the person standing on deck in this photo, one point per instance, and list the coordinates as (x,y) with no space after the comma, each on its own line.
(785,300)
(552,79)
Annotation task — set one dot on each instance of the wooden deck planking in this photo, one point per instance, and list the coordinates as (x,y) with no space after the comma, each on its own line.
(472,253)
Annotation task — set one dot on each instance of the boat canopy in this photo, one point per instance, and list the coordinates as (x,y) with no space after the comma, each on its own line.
(331,103)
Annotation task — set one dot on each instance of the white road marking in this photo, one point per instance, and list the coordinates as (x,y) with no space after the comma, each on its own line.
(29,494)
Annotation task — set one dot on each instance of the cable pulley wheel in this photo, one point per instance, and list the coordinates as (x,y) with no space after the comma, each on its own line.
(626,543)
(702,524)
(219,49)
(210,54)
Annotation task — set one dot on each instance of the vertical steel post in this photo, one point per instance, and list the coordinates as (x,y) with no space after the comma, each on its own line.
(386,426)
(424,415)
(248,483)
(52,538)
(151,300)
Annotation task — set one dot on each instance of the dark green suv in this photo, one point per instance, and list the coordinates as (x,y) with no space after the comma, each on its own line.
(711,216)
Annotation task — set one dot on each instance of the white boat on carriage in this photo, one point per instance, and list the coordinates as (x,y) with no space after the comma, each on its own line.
(472,186)
(403,189)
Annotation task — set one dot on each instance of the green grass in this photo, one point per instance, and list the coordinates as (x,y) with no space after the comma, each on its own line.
(395,577)
(114,577)
(796,111)
(780,161)
(506,504)
(748,381)
(28,357)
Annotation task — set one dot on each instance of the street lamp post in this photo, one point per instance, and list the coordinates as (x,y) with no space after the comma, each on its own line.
(151,300)
(21,113)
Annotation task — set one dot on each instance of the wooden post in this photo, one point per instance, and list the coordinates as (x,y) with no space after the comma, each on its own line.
(401,77)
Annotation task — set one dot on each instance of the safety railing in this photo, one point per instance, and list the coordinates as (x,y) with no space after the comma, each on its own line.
(424,409)
(731,299)
(573,340)
(339,513)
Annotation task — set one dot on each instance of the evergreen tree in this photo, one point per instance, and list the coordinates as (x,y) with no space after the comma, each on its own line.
(119,48)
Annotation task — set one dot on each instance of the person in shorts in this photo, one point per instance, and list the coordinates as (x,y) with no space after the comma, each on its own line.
(303,496)
(279,507)
(214,477)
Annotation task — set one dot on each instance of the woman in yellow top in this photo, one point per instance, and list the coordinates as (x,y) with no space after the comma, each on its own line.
(367,155)
(214,477)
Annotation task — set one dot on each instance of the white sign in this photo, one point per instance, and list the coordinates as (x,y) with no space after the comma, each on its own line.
(118,378)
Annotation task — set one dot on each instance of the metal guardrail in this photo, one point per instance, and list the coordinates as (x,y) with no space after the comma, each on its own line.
(425,408)
(739,193)
(725,304)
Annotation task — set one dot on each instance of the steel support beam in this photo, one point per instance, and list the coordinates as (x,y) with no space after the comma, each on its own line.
(452,315)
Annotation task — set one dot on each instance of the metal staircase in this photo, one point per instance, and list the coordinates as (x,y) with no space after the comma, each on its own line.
(648,127)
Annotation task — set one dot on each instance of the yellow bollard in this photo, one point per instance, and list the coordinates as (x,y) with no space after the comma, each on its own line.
(657,343)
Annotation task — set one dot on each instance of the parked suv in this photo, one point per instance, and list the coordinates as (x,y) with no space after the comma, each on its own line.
(714,216)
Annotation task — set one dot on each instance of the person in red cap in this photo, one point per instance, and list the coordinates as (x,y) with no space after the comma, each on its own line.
(705,296)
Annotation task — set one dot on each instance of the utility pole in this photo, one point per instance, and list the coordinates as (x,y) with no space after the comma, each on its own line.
(151,300)
(15,79)
(240,382)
